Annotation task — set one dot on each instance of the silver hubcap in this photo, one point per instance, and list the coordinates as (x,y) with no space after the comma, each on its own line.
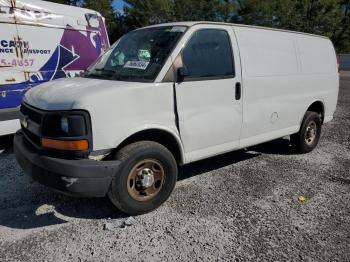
(145,180)
(146,177)
(311,132)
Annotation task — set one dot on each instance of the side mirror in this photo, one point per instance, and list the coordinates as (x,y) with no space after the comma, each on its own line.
(181,74)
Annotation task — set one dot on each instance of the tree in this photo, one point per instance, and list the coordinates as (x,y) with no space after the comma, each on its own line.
(323,17)
(145,12)
(330,18)
(341,34)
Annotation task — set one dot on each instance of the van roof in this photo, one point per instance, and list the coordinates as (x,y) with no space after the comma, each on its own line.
(192,23)
(54,8)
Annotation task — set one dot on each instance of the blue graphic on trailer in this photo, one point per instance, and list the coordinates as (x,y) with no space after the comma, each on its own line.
(11,95)
(54,68)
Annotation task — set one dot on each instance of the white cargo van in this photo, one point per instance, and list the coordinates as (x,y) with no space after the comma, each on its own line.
(39,42)
(171,94)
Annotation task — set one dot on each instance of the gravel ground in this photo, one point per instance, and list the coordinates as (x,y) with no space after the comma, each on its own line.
(237,207)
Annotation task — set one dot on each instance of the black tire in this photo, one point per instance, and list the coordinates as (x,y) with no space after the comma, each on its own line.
(299,140)
(130,156)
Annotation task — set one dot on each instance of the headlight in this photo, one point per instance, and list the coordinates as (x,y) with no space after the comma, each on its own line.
(67,131)
(61,126)
(65,125)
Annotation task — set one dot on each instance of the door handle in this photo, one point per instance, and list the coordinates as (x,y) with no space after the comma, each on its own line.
(10,80)
(238,91)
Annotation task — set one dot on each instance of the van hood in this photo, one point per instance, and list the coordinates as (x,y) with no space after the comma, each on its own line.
(70,93)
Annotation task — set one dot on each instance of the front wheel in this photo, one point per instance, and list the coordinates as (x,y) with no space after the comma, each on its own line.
(146,178)
(310,132)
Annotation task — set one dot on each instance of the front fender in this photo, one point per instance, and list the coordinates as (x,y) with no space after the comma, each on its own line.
(172,131)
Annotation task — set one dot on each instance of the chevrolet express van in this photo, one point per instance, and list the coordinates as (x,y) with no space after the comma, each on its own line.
(39,42)
(171,94)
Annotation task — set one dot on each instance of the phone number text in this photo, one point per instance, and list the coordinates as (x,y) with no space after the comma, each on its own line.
(16,62)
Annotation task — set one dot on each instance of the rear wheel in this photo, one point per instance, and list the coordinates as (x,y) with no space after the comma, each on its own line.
(307,138)
(147,176)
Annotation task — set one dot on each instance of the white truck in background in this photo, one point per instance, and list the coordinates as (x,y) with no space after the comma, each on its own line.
(39,42)
(170,94)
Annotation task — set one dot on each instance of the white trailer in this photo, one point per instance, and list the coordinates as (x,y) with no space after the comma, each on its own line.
(39,42)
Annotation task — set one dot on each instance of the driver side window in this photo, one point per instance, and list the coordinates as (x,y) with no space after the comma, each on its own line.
(208,55)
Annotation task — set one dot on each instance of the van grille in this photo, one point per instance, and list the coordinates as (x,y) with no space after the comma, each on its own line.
(34,139)
(32,115)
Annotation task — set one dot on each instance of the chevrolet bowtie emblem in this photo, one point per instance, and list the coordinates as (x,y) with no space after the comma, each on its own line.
(24,122)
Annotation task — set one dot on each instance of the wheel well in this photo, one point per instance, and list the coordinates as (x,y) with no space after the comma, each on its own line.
(162,137)
(317,107)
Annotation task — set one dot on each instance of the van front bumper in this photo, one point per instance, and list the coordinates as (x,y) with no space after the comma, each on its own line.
(83,178)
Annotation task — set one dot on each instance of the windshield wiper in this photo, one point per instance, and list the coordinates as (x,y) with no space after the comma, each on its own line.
(105,70)
(91,75)
(122,77)
(118,78)
(131,78)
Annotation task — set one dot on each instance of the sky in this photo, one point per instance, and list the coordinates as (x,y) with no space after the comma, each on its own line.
(118,4)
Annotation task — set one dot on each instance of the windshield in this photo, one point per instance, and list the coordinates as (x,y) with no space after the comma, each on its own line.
(137,56)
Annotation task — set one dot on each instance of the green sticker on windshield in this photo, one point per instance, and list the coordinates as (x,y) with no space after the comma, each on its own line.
(144,55)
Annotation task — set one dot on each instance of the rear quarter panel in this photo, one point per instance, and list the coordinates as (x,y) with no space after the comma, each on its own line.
(318,66)
(280,81)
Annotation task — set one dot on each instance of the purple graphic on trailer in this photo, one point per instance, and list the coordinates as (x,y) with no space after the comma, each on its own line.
(76,52)
(86,50)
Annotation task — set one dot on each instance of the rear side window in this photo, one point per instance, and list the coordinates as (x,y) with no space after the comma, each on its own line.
(208,55)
